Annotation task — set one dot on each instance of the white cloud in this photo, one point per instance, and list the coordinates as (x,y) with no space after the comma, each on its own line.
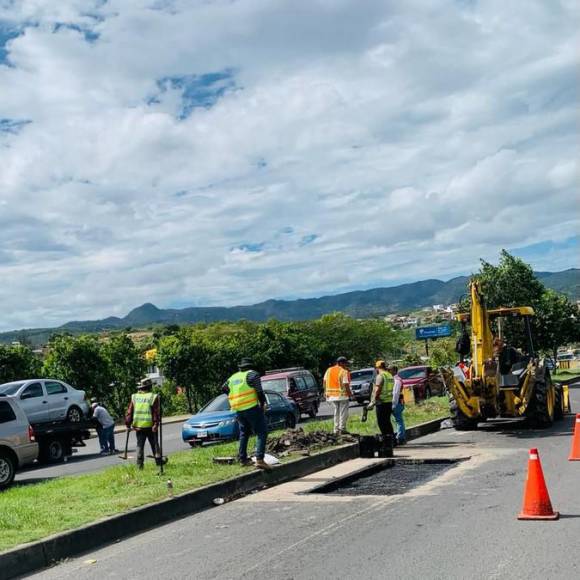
(402,140)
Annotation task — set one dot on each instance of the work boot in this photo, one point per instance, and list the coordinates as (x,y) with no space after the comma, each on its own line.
(246,462)
(261,464)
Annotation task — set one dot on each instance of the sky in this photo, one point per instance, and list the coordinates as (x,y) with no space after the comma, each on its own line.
(224,152)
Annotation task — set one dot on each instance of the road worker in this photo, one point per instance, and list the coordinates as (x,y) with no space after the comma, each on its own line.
(247,399)
(337,389)
(398,405)
(382,399)
(144,415)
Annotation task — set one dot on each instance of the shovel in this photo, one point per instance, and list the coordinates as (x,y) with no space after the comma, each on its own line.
(124,456)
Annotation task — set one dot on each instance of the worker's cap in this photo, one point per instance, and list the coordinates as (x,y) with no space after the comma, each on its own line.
(94,400)
(145,384)
(246,363)
(380,364)
(342,360)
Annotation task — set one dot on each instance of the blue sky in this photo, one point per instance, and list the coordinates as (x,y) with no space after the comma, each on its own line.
(194,152)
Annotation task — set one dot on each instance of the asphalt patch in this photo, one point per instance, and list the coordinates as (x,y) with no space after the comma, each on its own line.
(392,478)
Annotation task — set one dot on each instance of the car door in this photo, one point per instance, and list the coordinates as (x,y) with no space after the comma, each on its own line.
(58,400)
(301,393)
(311,392)
(276,412)
(34,403)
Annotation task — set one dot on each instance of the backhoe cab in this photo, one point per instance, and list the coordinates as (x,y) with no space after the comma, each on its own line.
(501,380)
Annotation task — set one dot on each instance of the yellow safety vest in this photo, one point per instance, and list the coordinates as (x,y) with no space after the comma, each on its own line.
(142,414)
(242,396)
(386,394)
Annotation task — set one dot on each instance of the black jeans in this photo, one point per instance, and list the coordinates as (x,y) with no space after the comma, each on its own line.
(384,411)
(142,436)
(252,420)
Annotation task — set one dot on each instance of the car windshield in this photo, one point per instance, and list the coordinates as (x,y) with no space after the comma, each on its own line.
(220,403)
(276,385)
(361,376)
(10,388)
(413,373)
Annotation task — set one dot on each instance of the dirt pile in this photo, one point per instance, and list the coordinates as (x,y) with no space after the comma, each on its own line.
(297,441)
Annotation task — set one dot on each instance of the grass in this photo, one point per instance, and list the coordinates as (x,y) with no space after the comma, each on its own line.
(34,511)
(565,374)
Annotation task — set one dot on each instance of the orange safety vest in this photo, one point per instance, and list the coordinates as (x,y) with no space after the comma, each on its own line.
(334,385)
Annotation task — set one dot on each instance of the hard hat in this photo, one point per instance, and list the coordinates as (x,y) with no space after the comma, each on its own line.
(246,363)
(341,359)
(145,384)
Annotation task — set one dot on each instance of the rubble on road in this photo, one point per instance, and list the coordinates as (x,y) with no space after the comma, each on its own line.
(298,441)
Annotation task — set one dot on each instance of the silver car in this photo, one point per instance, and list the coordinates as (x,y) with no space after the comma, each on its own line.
(46,400)
(17,445)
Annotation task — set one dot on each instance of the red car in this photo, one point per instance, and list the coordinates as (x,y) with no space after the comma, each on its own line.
(423,380)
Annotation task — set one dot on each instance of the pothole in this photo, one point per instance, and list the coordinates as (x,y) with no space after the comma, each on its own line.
(392,477)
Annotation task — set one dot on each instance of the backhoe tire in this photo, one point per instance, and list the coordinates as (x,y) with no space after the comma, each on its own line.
(459,420)
(540,411)
(559,407)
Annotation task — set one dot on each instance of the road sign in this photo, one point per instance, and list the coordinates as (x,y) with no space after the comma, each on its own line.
(426,332)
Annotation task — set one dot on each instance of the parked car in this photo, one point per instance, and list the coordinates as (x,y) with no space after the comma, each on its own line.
(297,384)
(424,381)
(17,445)
(46,400)
(217,422)
(361,384)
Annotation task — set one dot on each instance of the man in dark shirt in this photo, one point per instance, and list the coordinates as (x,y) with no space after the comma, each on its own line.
(247,399)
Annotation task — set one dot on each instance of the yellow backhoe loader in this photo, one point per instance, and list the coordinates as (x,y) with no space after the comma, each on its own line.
(500,381)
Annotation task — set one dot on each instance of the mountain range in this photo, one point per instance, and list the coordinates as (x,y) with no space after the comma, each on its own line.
(360,304)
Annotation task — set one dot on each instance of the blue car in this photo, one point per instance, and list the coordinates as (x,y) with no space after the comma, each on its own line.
(216,422)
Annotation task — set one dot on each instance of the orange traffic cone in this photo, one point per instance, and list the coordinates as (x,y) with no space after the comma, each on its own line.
(575,451)
(537,504)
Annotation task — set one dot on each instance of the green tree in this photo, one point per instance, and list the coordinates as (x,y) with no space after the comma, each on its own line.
(362,341)
(126,366)
(183,360)
(80,362)
(557,322)
(18,362)
(513,283)
(442,353)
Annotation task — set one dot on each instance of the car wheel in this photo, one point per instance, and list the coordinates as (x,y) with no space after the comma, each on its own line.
(290,421)
(54,452)
(74,415)
(7,470)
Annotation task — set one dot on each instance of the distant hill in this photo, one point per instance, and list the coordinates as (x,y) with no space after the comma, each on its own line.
(360,304)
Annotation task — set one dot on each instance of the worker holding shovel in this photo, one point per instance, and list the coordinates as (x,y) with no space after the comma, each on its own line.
(144,416)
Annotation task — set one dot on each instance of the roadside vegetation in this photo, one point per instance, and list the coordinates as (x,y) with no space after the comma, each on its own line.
(196,359)
(34,511)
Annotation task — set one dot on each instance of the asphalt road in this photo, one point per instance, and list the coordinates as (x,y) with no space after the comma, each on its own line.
(87,459)
(461,525)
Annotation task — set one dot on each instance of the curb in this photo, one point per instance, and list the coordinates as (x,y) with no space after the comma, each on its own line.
(424,428)
(44,553)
